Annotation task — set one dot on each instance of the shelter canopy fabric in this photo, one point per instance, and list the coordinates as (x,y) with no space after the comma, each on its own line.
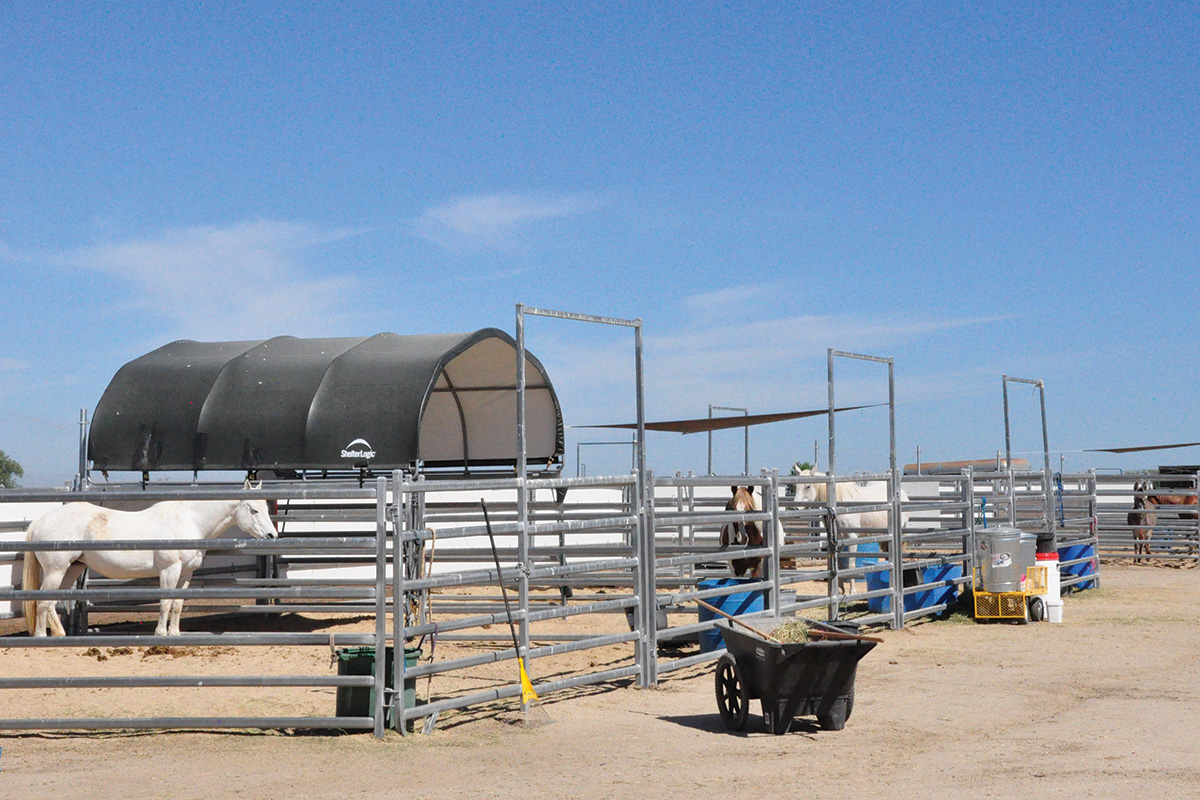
(382,402)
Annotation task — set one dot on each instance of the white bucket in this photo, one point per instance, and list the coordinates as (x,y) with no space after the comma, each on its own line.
(1054,610)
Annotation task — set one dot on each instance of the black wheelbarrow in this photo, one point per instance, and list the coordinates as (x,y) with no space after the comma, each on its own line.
(805,678)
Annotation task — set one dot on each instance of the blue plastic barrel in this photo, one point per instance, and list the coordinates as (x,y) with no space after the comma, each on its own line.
(732,604)
(923,599)
(1075,552)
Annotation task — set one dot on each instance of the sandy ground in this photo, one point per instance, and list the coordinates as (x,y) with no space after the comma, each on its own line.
(1105,705)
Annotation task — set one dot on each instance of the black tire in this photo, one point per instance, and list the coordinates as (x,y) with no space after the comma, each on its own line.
(1037,609)
(733,701)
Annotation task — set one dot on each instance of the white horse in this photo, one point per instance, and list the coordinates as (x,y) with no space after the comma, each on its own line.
(171,519)
(852,492)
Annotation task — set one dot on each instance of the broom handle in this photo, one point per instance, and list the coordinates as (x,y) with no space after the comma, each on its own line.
(737,621)
(500,579)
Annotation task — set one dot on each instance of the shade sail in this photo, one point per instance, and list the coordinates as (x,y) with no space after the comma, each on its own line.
(381,402)
(704,424)
(1142,448)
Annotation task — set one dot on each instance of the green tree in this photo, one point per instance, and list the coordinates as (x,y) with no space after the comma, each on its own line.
(10,470)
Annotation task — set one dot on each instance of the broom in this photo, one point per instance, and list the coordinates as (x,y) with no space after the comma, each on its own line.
(529,698)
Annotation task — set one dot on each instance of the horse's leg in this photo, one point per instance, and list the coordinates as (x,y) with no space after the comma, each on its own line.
(54,578)
(168,578)
(69,580)
(848,561)
(177,605)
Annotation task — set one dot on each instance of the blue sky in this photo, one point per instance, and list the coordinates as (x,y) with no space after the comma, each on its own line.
(973,191)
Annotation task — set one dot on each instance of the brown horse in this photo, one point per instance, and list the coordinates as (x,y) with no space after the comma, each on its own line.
(747,534)
(1141,520)
(1146,520)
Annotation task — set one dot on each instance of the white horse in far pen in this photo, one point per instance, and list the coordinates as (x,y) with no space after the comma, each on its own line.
(172,519)
(849,492)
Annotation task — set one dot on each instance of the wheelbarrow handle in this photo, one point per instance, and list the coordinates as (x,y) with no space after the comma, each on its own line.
(737,621)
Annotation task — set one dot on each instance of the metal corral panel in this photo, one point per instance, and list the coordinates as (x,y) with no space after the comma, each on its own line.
(382,402)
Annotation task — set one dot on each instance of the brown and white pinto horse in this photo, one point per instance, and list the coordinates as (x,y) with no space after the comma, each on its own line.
(747,534)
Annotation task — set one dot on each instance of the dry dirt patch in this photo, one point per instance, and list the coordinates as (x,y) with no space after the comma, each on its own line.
(1104,705)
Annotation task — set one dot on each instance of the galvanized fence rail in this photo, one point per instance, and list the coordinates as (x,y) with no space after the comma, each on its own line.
(572,549)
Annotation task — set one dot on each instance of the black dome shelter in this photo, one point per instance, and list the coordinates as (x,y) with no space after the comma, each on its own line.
(446,402)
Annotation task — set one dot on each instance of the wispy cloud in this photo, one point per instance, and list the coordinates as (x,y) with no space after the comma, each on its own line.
(493,220)
(246,279)
(12,364)
(730,300)
(770,364)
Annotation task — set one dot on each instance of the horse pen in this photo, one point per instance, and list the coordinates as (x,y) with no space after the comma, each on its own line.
(258,692)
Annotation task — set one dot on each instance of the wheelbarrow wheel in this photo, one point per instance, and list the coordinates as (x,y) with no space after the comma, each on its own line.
(733,700)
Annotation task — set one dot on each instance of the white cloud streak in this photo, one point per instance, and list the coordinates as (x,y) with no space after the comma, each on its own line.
(492,221)
(242,280)
(7,364)
(768,364)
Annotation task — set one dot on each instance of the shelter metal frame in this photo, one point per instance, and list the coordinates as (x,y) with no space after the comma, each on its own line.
(893,476)
(1041,387)
(745,439)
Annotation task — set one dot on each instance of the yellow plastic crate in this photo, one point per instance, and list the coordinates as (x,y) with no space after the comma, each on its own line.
(1000,605)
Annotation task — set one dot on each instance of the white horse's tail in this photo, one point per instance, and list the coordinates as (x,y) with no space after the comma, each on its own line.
(31,579)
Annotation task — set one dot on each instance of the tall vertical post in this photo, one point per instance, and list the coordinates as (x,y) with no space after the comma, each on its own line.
(81,480)
(968,521)
(380,603)
(522,493)
(649,604)
(710,433)
(896,529)
(399,602)
(1007,434)
(774,537)
(746,445)
(832,454)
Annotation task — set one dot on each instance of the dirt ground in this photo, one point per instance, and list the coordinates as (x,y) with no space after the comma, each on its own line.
(1107,704)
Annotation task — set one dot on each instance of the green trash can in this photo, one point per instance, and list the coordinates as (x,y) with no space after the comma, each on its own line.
(359,701)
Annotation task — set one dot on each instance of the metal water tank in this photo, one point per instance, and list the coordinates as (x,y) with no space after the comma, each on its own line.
(1004,554)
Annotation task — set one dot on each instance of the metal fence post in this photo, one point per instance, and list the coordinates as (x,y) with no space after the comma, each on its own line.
(650,603)
(968,523)
(1194,534)
(399,604)
(771,504)
(831,546)
(640,652)
(896,532)
(380,603)
(1012,495)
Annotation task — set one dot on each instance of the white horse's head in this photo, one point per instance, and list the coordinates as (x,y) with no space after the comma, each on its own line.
(807,492)
(254,517)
